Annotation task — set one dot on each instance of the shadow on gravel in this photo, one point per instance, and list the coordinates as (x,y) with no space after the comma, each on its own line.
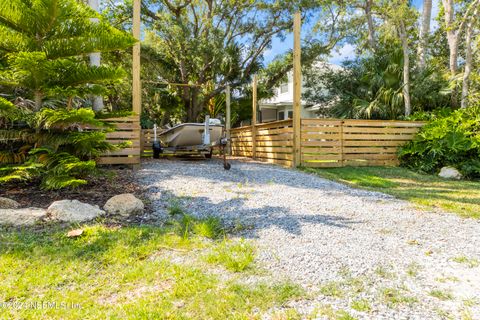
(252,220)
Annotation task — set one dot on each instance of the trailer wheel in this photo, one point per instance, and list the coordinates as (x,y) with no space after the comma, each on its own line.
(227,166)
(209,155)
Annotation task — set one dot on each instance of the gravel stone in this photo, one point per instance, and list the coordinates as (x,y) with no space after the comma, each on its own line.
(317,231)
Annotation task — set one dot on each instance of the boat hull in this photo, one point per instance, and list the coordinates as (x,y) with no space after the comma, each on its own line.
(189,135)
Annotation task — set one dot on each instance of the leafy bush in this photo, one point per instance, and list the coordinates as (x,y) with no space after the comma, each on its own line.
(452,140)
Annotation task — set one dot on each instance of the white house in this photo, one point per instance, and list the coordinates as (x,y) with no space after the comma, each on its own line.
(280,106)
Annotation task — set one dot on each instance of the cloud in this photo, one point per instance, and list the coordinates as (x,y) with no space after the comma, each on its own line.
(344,53)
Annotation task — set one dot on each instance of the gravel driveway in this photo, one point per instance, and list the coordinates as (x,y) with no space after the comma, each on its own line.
(363,253)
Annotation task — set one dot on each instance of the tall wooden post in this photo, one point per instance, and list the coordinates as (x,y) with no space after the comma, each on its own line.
(228,117)
(136,81)
(254,117)
(95,58)
(297,89)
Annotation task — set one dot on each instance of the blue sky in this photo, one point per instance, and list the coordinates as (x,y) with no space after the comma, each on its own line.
(341,53)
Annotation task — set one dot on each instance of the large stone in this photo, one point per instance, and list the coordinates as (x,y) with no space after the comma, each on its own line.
(450,173)
(124,205)
(6,203)
(21,217)
(73,211)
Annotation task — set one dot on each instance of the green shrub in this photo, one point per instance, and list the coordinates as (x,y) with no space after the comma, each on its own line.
(450,140)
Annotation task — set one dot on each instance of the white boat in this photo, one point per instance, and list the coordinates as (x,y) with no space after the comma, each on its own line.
(192,135)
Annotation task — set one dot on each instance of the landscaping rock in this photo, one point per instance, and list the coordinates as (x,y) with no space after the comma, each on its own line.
(73,211)
(6,203)
(124,205)
(21,217)
(450,173)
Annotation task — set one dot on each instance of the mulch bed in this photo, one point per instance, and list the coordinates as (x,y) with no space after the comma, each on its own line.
(96,192)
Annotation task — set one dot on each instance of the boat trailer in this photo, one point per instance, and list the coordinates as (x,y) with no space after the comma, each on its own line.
(206,148)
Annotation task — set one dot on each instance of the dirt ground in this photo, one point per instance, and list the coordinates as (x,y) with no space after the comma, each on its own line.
(96,192)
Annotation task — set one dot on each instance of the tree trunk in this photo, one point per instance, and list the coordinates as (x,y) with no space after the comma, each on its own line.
(406,69)
(424,33)
(38,100)
(371,26)
(452,39)
(95,58)
(468,61)
(451,35)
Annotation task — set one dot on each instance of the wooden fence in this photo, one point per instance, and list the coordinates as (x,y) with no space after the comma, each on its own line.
(147,142)
(325,142)
(127,130)
(273,142)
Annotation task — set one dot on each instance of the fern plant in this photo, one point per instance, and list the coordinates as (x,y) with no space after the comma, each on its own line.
(43,50)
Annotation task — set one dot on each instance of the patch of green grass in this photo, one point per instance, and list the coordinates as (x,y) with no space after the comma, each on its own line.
(187,225)
(441,294)
(175,208)
(471,302)
(384,272)
(447,279)
(331,314)
(361,305)
(443,314)
(395,297)
(428,191)
(123,273)
(235,256)
(413,269)
(289,314)
(470,262)
(332,289)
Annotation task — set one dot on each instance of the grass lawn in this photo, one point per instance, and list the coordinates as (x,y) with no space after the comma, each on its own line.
(133,272)
(461,197)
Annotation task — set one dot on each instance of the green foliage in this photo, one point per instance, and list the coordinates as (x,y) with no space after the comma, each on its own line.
(370,87)
(44,43)
(452,140)
(52,145)
(42,53)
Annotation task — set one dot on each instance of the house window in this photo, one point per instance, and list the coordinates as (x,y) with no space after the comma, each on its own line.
(290,114)
(281,115)
(284,88)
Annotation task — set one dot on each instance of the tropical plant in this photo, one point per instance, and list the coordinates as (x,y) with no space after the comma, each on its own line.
(451,140)
(43,45)
(370,87)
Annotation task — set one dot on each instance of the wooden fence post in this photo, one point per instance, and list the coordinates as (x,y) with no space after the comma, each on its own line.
(228,117)
(297,89)
(136,81)
(254,117)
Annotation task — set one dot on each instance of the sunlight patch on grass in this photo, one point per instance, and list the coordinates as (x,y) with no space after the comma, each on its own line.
(426,191)
(127,273)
